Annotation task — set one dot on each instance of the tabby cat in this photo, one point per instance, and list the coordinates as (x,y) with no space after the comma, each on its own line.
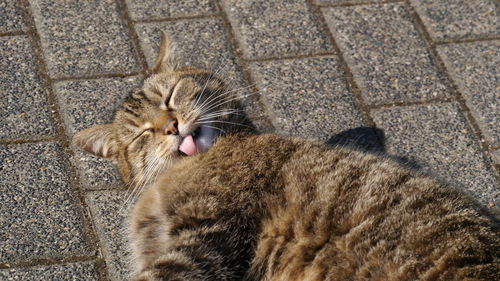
(218,204)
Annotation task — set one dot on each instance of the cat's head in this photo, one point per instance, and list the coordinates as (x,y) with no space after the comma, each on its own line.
(178,112)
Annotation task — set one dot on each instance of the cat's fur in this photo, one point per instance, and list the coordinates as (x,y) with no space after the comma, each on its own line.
(263,207)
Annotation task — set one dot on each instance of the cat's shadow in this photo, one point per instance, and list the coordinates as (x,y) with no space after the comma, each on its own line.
(368,139)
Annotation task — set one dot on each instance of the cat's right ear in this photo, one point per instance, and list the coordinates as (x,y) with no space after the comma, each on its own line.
(165,60)
(97,140)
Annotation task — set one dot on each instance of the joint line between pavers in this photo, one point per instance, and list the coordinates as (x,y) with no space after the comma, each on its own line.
(270,126)
(28,140)
(47,82)
(453,88)
(47,261)
(168,19)
(349,77)
(98,76)
(411,103)
(12,33)
(468,40)
(122,10)
(291,57)
(356,3)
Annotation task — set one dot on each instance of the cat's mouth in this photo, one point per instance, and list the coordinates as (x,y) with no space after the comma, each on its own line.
(200,140)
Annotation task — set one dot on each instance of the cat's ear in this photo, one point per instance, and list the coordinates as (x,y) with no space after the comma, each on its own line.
(98,140)
(165,59)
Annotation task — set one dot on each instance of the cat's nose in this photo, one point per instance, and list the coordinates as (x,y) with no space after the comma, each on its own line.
(170,127)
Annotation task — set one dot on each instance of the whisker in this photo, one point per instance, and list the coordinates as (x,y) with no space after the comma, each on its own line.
(216,128)
(217,96)
(224,102)
(223,122)
(219,113)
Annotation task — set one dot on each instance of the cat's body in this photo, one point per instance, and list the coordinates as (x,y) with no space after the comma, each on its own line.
(273,208)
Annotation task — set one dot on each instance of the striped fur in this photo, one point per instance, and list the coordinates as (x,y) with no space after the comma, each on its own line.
(271,208)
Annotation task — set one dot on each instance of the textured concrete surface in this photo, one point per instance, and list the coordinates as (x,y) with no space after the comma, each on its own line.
(343,2)
(459,19)
(24,109)
(41,216)
(318,84)
(110,211)
(387,55)
(496,156)
(84,103)
(474,68)
(275,28)
(437,137)
(83,37)
(164,9)
(417,79)
(11,18)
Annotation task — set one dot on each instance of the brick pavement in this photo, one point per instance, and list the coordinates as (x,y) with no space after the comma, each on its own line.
(424,72)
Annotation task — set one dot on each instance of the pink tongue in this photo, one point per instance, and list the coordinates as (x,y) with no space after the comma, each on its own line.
(188,145)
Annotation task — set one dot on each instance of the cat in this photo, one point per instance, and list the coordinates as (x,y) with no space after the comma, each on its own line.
(219,202)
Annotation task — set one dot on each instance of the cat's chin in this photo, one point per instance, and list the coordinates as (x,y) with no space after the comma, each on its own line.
(199,141)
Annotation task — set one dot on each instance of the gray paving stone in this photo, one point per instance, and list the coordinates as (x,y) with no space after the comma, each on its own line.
(203,43)
(40,213)
(110,219)
(459,19)
(83,37)
(11,17)
(307,97)
(153,9)
(71,271)
(475,69)
(496,156)
(24,110)
(341,2)
(95,172)
(275,28)
(199,42)
(386,54)
(85,103)
(438,138)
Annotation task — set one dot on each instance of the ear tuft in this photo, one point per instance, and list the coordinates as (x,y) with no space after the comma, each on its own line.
(97,140)
(164,61)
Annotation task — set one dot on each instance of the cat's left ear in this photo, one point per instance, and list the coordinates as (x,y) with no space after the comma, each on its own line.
(165,59)
(98,140)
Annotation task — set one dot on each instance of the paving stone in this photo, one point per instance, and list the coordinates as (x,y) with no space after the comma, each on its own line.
(83,38)
(475,69)
(71,271)
(386,54)
(307,97)
(341,2)
(110,215)
(459,19)
(275,28)
(438,138)
(153,9)
(95,172)
(496,156)
(40,213)
(24,110)
(85,103)
(203,43)
(11,17)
